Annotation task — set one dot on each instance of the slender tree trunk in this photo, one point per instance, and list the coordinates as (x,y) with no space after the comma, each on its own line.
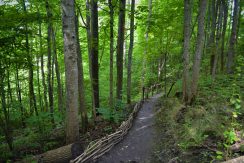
(132,28)
(32,97)
(49,61)
(82,106)
(186,49)
(120,47)
(71,70)
(225,8)
(19,96)
(57,71)
(42,68)
(211,45)
(88,35)
(6,125)
(218,37)
(38,81)
(233,38)
(111,70)
(199,49)
(94,54)
(146,47)
(9,89)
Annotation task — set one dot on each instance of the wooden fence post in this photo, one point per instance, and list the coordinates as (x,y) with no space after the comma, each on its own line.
(143,93)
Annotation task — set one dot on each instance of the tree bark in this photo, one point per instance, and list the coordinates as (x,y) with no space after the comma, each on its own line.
(82,106)
(10,96)
(211,45)
(132,28)
(49,62)
(57,71)
(32,96)
(199,49)
(120,48)
(5,125)
(42,69)
(218,37)
(111,57)
(146,47)
(38,82)
(71,70)
(233,38)
(94,55)
(186,49)
(19,96)
(225,8)
(88,35)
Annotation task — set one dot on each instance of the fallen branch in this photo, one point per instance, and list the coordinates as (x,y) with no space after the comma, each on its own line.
(236,160)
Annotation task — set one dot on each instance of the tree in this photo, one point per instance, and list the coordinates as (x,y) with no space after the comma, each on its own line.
(71,70)
(186,48)
(225,10)
(120,48)
(199,49)
(132,28)
(49,63)
(233,38)
(146,37)
(111,57)
(211,42)
(82,106)
(218,37)
(32,96)
(94,54)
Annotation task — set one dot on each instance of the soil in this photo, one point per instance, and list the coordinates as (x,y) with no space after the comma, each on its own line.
(138,144)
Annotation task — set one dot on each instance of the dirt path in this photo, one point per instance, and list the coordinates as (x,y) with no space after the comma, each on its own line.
(138,143)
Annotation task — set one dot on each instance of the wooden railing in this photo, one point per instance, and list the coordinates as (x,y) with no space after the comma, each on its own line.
(147,91)
(99,147)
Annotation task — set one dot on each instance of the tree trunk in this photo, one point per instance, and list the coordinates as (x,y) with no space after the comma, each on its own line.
(233,38)
(57,71)
(146,47)
(49,62)
(5,125)
(94,54)
(38,82)
(225,8)
(10,97)
(120,48)
(211,43)
(186,49)
(32,97)
(19,96)
(111,70)
(130,51)
(199,49)
(42,69)
(88,35)
(71,70)
(82,106)
(218,36)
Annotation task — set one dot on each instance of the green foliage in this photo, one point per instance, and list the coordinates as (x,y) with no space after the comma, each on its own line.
(116,114)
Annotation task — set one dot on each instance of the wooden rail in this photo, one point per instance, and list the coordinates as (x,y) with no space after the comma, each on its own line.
(99,147)
(146,91)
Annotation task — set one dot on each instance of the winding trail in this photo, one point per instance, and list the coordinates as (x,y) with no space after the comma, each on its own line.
(138,143)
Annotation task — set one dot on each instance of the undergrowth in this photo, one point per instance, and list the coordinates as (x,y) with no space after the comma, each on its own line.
(205,131)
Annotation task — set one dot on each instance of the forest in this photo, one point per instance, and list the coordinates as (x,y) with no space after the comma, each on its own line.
(71,72)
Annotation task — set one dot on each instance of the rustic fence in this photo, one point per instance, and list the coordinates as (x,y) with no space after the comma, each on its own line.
(146,91)
(99,147)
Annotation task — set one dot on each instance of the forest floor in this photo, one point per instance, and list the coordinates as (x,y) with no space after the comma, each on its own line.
(138,144)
